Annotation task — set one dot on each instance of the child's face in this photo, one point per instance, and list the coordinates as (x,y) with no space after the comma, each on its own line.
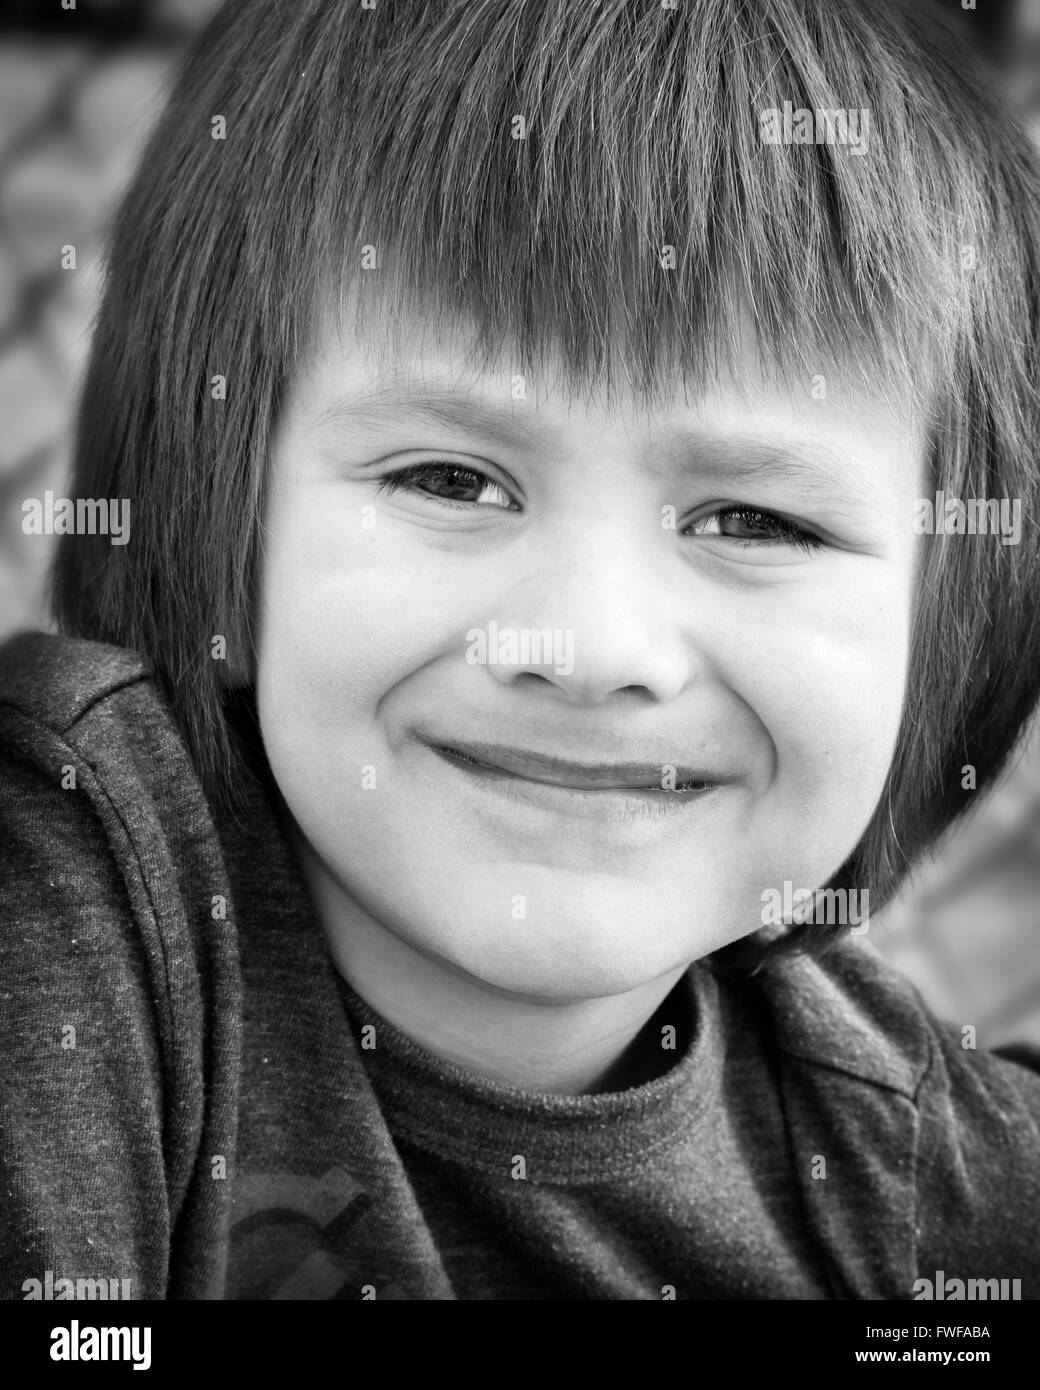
(682,635)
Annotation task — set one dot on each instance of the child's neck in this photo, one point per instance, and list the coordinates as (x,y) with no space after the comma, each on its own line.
(565,1047)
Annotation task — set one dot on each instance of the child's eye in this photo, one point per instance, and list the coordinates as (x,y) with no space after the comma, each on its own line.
(454,485)
(750,524)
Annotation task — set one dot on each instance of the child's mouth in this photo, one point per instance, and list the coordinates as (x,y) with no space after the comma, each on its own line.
(618,798)
(581,777)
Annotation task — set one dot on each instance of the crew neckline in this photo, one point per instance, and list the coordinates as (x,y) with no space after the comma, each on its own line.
(564,1139)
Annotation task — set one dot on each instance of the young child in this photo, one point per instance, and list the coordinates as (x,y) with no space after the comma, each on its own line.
(523,413)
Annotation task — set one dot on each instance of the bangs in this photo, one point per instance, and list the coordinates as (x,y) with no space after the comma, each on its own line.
(593,185)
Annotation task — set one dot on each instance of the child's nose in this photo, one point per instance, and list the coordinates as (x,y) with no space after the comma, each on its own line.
(603,617)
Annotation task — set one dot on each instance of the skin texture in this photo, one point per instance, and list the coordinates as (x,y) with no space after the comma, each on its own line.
(528,935)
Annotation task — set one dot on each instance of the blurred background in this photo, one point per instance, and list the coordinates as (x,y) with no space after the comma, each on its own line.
(79,89)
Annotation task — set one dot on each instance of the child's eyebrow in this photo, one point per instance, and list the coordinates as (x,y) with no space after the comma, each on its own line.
(428,403)
(821,472)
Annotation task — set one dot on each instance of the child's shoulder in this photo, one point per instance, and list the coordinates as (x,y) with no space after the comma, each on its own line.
(103,820)
(108,840)
(55,680)
(931,1142)
(88,717)
(849,1011)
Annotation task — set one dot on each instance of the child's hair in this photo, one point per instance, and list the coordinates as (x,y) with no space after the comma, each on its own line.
(525,167)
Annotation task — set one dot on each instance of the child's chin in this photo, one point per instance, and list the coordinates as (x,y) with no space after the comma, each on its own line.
(589,954)
(590,975)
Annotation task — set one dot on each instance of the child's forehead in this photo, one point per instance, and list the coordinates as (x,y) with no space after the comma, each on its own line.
(418,365)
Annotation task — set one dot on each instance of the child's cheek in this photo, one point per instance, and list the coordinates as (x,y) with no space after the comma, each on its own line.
(831,697)
(338,582)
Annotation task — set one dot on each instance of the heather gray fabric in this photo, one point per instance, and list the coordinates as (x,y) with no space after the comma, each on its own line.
(666,1187)
(222,1129)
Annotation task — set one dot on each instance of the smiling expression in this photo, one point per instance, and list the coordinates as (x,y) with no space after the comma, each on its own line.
(732,576)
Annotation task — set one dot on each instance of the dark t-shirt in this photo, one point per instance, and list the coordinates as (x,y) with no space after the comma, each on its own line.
(191,1098)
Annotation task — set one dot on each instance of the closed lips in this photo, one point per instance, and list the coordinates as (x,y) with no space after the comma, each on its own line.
(559,772)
